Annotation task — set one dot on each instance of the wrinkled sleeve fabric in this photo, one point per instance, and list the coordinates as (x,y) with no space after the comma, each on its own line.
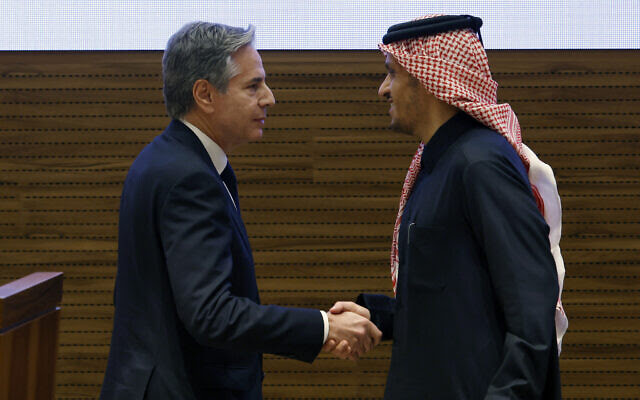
(196,234)
(514,237)
(382,310)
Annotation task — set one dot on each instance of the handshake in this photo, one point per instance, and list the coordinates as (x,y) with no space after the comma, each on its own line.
(351,333)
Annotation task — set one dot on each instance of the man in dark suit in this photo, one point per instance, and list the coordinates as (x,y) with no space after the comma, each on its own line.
(472,265)
(188,322)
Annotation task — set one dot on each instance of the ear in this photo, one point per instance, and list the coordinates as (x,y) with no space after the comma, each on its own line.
(204,95)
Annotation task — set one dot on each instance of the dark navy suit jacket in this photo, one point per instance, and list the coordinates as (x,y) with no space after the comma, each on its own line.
(188,322)
(473,316)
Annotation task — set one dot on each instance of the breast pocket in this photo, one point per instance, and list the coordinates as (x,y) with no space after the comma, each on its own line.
(428,246)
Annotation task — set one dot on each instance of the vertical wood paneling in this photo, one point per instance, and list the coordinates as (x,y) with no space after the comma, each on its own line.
(28,357)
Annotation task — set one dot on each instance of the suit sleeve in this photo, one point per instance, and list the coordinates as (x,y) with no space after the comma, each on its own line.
(196,233)
(382,309)
(514,238)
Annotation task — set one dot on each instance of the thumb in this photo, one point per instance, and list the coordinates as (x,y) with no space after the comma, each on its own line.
(338,308)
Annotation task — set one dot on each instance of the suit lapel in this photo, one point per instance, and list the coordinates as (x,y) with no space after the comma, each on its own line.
(181,133)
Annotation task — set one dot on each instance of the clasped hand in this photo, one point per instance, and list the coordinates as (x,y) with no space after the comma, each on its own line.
(351,333)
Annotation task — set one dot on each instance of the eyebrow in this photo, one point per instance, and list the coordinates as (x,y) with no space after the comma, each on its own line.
(257,79)
(387,65)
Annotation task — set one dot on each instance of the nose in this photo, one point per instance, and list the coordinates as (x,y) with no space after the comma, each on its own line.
(268,99)
(385,88)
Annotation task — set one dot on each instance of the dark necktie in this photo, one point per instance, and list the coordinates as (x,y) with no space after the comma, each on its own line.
(229,179)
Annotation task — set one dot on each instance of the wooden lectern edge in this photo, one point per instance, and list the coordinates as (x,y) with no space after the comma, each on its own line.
(25,283)
(29,297)
(19,324)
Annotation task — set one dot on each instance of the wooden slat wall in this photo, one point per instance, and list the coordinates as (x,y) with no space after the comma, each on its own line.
(319,196)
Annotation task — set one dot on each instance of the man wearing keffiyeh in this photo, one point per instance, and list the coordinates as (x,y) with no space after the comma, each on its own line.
(475,262)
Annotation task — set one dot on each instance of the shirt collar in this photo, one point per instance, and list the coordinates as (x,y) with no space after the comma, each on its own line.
(444,137)
(217,155)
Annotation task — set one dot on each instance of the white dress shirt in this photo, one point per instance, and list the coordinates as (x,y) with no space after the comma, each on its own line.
(219,159)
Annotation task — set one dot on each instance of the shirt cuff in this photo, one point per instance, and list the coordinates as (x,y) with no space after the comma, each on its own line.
(326,325)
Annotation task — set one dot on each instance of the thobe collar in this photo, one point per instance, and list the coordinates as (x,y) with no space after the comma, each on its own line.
(444,137)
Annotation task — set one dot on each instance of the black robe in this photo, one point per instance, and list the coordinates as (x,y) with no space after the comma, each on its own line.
(473,316)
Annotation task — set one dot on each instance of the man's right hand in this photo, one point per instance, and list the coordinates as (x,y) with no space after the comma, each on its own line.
(342,306)
(351,335)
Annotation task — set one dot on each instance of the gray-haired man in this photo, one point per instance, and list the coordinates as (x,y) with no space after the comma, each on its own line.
(188,322)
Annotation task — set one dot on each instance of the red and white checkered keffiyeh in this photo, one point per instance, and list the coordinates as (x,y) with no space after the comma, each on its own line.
(453,66)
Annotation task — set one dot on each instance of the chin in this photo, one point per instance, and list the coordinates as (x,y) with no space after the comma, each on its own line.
(256,136)
(399,127)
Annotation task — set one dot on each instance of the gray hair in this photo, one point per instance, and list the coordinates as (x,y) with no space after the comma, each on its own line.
(200,50)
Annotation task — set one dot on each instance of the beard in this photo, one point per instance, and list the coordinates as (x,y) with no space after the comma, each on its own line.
(405,114)
(400,127)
